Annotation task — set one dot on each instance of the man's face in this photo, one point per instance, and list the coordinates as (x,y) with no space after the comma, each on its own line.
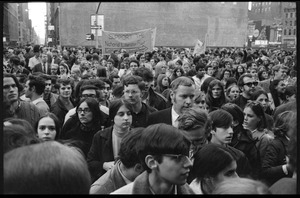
(281,87)
(222,135)
(148,84)
(281,74)
(88,93)
(133,66)
(182,54)
(54,54)
(44,58)
(54,69)
(254,66)
(106,91)
(216,91)
(110,65)
(48,86)
(133,94)
(183,98)
(210,71)
(116,81)
(27,89)
(227,173)
(65,91)
(10,90)
(249,86)
(173,170)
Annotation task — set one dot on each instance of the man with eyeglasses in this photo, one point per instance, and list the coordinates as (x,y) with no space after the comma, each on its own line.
(13,106)
(133,92)
(167,165)
(247,85)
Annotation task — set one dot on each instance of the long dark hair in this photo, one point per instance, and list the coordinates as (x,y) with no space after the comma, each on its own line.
(215,102)
(275,95)
(94,107)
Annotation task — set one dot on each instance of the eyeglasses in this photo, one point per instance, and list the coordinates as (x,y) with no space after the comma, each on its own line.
(83,110)
(249,84)
(132,92)
(180,157)
(89,96)
(48,84)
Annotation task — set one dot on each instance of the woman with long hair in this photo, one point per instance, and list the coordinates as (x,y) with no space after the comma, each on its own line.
(48,127)
(215,96)
(163,82)
(88,119)
(106,144)
(255,122)
(277,93)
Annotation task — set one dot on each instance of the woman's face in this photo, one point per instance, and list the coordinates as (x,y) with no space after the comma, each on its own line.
(226,75)
(216,91)
(265,75)
(85,115)
(281,87)
(234,93)
(62,69)
(240,69)
(123,118)
(250,119)
(165,82)
(178,73)
(263,100)
(46,129)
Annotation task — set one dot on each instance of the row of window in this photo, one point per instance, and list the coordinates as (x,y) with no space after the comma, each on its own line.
(262,9)
(291,23)
(289,32)
(262,3)
(291,15)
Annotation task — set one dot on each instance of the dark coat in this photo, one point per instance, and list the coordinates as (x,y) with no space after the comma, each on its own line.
(157,100)
(273,161)
(101,151)
(163,116)
(59,109)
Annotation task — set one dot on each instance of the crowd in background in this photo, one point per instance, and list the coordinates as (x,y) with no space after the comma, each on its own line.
(161,121)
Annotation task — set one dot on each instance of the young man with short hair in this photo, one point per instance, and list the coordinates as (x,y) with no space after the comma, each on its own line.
(167,165)
(34,89)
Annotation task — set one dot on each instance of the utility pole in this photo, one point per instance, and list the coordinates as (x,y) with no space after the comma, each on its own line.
(97,25)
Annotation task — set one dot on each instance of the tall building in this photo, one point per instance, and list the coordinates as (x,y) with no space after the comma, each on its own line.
(279,17)
(179,24)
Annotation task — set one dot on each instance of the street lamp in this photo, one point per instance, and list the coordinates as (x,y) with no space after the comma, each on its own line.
(250,39)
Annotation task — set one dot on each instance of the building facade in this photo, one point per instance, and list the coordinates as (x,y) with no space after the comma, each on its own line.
(280,18)
(17,27)
(179,24)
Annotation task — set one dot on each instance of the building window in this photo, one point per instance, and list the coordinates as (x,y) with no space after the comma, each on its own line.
(284,32)
(286,23)
(291,23)
(291,15)
(270,3)
(287,15)
(290,31)
(294,31)
(269,8)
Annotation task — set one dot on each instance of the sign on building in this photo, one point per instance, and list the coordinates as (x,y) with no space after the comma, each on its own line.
(97,24)
(50,27)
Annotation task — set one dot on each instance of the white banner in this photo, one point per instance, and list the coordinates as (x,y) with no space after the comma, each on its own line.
(139,41)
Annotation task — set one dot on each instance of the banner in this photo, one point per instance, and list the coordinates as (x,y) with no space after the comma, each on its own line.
(139,41)
(200,47)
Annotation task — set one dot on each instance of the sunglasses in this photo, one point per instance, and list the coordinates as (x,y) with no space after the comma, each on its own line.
(249,84)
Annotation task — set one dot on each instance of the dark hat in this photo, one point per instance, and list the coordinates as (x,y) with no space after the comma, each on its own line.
(36,48)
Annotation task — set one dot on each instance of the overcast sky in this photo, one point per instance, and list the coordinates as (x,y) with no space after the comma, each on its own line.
(37,12)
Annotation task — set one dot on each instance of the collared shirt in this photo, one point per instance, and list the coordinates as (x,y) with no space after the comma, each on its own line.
(174,118)
(127,181)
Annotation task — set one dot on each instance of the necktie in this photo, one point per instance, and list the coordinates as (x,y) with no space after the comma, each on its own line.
(45,68)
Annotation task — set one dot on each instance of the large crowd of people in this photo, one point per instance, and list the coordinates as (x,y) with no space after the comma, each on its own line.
(166,121)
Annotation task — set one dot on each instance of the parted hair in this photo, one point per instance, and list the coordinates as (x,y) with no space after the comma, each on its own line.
(282,123)
(155,140)
(182,80)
